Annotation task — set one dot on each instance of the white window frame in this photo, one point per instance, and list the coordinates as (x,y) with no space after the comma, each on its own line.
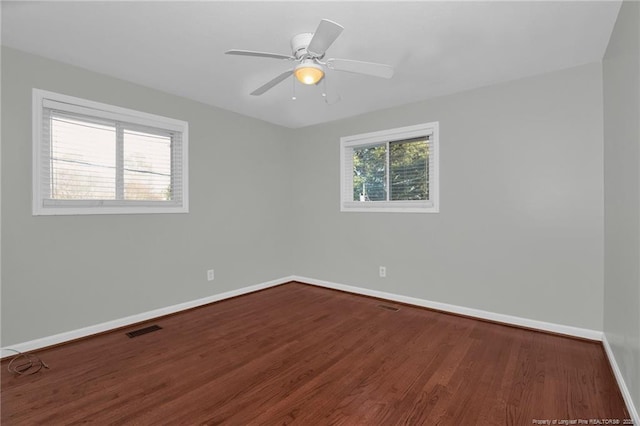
(43,205)
(348,143)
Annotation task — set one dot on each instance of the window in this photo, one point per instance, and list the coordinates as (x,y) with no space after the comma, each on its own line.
(391,171)
(93,158)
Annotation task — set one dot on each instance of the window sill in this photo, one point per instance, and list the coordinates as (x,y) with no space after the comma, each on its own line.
(69,207)
(389,207)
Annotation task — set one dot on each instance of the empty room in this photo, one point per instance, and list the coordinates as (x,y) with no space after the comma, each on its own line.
(315,213)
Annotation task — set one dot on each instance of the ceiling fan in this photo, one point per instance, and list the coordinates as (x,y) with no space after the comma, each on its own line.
(308,49)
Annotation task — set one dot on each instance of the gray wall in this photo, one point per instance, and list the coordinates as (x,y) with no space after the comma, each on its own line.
(621,69)
(520,228)
(63,273)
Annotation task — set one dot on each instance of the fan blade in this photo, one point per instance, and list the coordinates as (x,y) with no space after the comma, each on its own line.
(326,33)
(259,54)
(260,90)
(359,67)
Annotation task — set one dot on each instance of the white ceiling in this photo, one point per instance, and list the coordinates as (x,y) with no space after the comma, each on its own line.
(437,48)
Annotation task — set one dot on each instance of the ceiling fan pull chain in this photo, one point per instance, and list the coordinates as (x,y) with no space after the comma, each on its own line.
(293,97)
(324,88)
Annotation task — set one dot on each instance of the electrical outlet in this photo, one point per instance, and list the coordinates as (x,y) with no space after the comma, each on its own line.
(383,271)
(210,275)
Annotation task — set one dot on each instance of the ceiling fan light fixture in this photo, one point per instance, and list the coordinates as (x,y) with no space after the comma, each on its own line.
(309,72)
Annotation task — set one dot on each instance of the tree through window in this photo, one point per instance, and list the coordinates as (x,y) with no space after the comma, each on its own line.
(385,171)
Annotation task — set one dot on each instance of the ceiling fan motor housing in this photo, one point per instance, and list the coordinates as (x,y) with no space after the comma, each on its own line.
(299,44)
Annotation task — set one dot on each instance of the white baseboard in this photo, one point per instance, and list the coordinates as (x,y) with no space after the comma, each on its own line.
(121,322)
(477,313)
(626,394)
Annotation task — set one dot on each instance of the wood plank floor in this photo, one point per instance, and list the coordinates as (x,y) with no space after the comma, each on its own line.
(298,354)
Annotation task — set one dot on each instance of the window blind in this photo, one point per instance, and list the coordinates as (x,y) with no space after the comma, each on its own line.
(82,160)
(408,169)
(92,157)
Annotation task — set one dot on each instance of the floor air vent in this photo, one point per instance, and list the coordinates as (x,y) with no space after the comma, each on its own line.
(389,308)
(141,331)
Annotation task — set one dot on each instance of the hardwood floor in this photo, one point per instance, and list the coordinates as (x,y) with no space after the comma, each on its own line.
(298,354)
